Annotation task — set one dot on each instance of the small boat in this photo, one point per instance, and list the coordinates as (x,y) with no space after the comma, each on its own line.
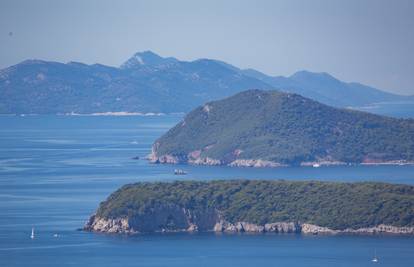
(56,235)
(32,236)
(375,259)
(316,165)
(179,172)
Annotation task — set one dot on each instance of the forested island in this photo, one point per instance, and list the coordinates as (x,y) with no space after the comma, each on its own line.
(270,129)
(276,206)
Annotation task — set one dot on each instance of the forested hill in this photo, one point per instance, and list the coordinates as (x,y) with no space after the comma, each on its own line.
(175,205)
(268,128)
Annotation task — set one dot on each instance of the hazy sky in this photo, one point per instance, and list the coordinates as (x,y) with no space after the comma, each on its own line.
(366,41)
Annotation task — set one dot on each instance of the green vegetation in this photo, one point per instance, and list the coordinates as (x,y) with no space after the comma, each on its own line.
(287,128)
(334,205)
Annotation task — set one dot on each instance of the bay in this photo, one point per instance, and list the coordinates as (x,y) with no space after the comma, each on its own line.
(55,170)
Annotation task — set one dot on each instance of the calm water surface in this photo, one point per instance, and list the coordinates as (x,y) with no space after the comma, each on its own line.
(54,171)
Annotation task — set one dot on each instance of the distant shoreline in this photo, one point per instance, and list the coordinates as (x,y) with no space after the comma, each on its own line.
(113,113)
(109,113)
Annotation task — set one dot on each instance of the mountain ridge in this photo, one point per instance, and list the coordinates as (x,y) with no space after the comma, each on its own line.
(147,82)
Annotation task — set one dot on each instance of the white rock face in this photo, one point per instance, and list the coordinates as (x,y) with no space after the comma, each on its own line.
(205,161)
(315,229)
(192,228)
(224,226)
(153,158)
(257,163)
(207,108)
(173,218)
(192,222)
(282,227)
(195,157)
(168,159)
(382,228)
(251,227)
(120,225)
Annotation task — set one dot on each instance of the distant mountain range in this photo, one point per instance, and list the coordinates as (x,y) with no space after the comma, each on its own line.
(258,128)
(148,82)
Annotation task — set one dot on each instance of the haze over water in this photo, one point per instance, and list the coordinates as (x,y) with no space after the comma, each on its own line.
(55,170)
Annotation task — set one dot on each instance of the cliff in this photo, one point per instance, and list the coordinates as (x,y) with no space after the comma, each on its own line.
(271,129)
(257,206)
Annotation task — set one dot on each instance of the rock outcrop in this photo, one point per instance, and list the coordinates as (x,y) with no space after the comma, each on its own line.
(164,218)
(187,221)
(257,163)
(278,227)
(205,161)
(98,224)
(194,158)
(382,228)
(379,229)
(283,227)
(307,228)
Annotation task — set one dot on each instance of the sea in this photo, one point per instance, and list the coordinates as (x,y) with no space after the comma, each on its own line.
(55,170)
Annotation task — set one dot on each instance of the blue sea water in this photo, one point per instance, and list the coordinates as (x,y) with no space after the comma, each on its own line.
(54,171)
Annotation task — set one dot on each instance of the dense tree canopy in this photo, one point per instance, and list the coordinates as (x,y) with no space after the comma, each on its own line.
(330,204)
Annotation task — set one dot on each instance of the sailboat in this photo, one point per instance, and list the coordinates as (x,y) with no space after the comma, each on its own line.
(375,259)
(32,236)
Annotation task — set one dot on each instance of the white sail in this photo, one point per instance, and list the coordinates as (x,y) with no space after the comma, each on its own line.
(32,236)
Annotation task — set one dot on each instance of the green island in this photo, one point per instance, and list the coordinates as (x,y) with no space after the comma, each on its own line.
(259,128)
(257,206)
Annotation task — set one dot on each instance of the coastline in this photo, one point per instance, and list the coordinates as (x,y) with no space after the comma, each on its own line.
(124,226)
(113,113)
(261,163)
(106,113)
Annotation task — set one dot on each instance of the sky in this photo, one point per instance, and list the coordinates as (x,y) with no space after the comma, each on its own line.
(367,41)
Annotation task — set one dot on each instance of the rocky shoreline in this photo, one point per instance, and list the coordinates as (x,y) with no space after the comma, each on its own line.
(127,226)
(194,158)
